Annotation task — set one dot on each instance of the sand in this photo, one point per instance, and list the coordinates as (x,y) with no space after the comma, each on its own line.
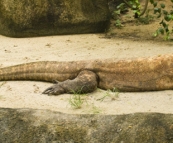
(27,94)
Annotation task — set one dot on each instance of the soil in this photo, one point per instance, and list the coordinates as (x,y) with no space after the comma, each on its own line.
(141,28)
(134,40)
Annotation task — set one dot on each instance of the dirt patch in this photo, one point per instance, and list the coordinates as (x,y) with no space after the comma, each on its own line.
(142,28)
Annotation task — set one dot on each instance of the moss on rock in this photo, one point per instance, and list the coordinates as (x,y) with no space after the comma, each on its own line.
(28,125)
(25,18)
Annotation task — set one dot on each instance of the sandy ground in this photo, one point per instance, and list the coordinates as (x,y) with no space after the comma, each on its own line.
(27,94)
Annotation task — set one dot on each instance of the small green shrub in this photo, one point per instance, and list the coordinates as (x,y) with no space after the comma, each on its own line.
(159,9)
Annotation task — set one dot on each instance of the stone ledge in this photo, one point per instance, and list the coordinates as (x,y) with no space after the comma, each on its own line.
(21,18)
(28,125)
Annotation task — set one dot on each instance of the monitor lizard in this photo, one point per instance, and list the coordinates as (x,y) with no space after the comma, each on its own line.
(141,74)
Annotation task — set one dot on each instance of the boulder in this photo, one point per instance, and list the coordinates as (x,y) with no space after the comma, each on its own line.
(45,126)
(27,18)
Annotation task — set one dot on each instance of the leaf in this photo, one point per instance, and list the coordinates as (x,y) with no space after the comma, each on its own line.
(167,29)
(151,1)
(155,4)
(162,5)
(120,6)
(117,12)
(167,37)
(171,12)
(155,10)
(165,12)
(163,24)
(155,34)
(159,10)
(159,15)
(168,17)
(161,30)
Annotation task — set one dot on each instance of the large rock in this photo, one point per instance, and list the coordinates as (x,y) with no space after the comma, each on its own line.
(23,18)
(43,126)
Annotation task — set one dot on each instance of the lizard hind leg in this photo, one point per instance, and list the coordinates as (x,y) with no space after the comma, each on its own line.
(85,82)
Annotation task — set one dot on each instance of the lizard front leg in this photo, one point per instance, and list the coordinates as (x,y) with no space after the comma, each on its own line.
(85,82)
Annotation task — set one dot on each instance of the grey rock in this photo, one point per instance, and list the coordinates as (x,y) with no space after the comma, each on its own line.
(44,126)
(25,18)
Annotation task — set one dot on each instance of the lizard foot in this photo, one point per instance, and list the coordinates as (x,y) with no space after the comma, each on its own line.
(85,82)
(54,90)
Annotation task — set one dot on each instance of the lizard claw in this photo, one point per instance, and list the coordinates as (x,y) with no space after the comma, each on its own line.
(54,90)
(47,91)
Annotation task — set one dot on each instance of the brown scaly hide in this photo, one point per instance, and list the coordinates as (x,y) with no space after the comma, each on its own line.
(142,74)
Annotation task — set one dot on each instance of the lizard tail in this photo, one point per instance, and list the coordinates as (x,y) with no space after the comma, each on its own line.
(38,71)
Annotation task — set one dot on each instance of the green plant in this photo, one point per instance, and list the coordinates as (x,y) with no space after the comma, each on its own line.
(159,9)
(96,110)
(113,94)
(136,7)
(133,4)
(118,23)
(77,99)
(117,13)
(166,17)
(145,19)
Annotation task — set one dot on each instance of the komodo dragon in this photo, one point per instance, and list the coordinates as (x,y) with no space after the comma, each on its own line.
(144,74)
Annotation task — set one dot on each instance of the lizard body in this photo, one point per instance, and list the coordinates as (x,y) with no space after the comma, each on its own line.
(144,74)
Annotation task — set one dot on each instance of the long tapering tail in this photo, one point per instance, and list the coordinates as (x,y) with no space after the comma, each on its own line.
(38,71)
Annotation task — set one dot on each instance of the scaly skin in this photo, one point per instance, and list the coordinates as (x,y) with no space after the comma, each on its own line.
(145,74)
